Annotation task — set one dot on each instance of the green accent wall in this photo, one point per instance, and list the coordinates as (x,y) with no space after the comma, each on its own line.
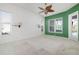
(65,21)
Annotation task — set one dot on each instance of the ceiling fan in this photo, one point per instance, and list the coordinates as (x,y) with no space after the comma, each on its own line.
(46,9)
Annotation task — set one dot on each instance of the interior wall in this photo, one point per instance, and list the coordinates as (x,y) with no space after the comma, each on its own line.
(29,21)
(65,21)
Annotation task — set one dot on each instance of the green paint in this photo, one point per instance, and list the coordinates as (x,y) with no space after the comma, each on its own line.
(65,21)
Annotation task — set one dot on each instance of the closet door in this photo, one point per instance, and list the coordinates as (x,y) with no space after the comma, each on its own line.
(73,26)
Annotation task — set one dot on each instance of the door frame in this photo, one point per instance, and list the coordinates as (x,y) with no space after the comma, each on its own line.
(69,24)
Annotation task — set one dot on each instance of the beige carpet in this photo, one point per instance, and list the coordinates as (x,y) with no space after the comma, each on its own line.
(41,45)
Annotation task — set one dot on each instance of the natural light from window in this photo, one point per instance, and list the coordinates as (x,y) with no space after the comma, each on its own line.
(5,22)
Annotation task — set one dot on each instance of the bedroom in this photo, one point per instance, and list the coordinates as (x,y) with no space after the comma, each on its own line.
(26,31)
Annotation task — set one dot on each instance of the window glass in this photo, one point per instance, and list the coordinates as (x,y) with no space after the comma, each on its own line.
(51,26)
(56,25)
(6,28)
(6,19)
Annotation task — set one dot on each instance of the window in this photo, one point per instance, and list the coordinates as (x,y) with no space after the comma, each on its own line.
(6,28)
(51,26)
(58,25)
(55,25)
(5,22)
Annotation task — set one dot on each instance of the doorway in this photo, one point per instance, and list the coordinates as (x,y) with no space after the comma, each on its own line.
(73,26)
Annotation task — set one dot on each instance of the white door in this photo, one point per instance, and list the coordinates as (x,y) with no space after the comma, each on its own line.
(73,26)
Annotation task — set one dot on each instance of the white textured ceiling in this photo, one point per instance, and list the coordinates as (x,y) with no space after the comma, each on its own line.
(58,7)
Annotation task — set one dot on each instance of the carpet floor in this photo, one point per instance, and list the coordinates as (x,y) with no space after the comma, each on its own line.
(41,45)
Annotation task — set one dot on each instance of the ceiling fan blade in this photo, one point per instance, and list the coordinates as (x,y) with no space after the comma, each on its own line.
(41,8)
(50,10)
(48,7)
(41,12)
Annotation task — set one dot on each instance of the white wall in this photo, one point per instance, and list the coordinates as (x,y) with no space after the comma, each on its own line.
(29,23)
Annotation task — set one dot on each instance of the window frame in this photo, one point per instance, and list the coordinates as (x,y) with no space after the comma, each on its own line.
(9,15)
(2,29)
(60,18)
